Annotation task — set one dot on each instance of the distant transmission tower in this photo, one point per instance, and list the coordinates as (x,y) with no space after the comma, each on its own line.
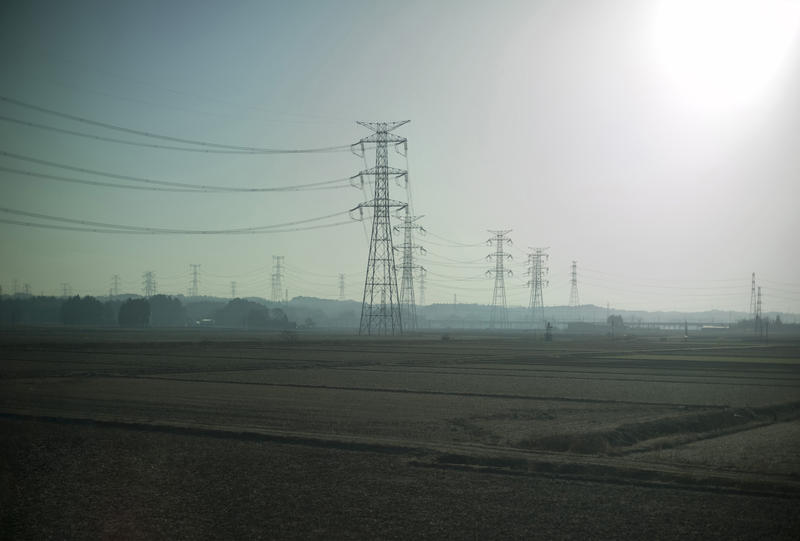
(115,285)
(408,307)
(380,308)
(758,304)
(499,316)
(574,300)
(193,292)
(757,323)
(233,289)
(422,273)
(66,289)
(538,280)
(277,278)
(753,296)
(149,283)
(341,286)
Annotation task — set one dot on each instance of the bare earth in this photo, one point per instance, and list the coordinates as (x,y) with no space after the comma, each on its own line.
(211,434)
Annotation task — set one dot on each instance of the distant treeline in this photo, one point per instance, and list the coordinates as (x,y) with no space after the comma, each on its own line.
(155,311)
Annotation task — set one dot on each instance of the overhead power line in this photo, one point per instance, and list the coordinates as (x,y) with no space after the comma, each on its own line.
(113,139)
(455,243)
(117,228)
(94,182)
(172,232)
(208,145)
(164,185)
(143,144)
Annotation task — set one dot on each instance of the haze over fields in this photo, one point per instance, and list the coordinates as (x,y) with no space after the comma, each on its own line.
(653,142)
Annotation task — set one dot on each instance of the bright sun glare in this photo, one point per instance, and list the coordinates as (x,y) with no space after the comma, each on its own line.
(721,53)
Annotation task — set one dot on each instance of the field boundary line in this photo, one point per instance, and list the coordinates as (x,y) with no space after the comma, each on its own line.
(474,458)
(411,391)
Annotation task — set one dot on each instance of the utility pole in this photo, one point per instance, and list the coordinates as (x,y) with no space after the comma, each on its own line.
(341,286)
(574,300)
(538,273)
(149,283)
(499,315)
(380,307)
(194,291)
(277,278)
(115,285)
(233,289)
(407,305)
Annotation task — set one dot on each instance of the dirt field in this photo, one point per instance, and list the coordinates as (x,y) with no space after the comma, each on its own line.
(209,434)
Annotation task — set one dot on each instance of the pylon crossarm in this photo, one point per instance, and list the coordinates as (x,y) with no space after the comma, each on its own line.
(382,126)
(358,149)
(384,203)
(383,170)
(383,137)
(357,180)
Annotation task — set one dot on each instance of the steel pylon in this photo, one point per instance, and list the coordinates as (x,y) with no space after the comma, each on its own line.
(499,315)
(380,307)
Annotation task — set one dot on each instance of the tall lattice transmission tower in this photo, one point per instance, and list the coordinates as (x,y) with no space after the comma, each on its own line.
(499,315)
(149,283)
(753,296)
(574,300)
(193,291)
(422,272)
(341,286)
(277,278)
(380,308)
(758,304)
(115,285)
(408,307)
(537,270)
(233,289)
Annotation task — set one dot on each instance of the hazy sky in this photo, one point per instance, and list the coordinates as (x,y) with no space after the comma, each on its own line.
(655,144)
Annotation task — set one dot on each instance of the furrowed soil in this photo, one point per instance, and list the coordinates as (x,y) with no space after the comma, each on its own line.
(211,434)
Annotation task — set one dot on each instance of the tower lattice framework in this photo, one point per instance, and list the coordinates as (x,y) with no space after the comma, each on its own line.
(149,283)
(380,307)
(499,314)
(422,271)
(277,278)
(538,271)
(574,299)
(408,307)
(195,289)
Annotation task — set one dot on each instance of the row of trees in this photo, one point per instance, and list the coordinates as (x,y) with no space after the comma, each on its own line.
(251,315)
(156,311)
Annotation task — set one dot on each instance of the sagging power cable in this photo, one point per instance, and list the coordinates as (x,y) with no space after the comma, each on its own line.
(209,146)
